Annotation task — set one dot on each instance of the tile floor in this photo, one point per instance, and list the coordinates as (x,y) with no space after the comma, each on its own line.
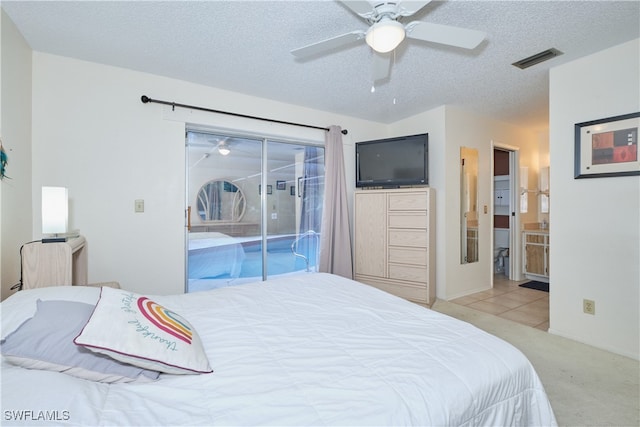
(509,301)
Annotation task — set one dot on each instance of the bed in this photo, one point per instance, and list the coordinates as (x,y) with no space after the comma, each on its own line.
(308,349)
(213,254)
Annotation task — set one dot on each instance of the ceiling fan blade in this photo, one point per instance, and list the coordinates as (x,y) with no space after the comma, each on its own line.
(408,8)
(444,34)
(361,7)
(328,44)
(381,66)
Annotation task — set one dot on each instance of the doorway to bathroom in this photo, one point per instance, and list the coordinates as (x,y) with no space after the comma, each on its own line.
(506,213)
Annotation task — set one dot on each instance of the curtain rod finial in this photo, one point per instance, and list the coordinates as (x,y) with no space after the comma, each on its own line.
(145,99)
(344,131)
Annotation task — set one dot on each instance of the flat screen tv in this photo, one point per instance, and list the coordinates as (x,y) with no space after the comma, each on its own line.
(393,162)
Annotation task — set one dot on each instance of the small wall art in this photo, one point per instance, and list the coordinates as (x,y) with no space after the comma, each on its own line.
(269,189)
(607,147)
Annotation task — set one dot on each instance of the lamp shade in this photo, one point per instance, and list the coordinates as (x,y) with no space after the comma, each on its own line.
(386,35)
(55,210)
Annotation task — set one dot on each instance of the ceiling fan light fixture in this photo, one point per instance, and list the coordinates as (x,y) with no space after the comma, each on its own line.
(385,35)
(223,149)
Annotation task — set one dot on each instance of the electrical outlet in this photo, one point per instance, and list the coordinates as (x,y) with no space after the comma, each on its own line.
(589,306)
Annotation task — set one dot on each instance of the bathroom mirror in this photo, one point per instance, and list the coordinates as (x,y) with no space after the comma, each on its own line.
(468,205)
(544,190)
(221,200)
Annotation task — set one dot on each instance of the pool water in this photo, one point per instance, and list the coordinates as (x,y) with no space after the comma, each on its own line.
(280,260)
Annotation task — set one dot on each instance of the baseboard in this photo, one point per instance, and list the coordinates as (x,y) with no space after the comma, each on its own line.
(581,340)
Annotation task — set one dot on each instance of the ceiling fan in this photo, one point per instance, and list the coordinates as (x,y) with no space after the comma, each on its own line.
(225,145)
(386,32)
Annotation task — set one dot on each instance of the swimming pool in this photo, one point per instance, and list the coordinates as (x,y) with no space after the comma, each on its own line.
(280,260)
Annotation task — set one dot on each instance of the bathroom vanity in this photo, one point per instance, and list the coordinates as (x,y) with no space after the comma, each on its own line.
(536,254)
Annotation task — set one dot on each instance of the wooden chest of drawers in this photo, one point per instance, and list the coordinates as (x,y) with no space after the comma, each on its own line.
(394,241)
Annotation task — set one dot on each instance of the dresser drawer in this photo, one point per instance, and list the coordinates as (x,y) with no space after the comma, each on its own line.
(408,221)
(409,273)
(410,291)
(417,257)
(408,201)
(412,238)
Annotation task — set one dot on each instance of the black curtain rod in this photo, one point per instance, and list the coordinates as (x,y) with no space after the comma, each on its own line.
(145,99)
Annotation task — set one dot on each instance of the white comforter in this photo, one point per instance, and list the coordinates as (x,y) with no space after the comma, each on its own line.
(312,349)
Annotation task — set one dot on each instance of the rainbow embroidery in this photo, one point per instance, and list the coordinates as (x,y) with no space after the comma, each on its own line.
(165,319)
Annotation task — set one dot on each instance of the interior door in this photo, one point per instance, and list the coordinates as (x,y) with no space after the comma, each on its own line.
(501,210)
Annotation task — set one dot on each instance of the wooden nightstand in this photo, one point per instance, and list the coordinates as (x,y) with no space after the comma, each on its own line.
(54,264)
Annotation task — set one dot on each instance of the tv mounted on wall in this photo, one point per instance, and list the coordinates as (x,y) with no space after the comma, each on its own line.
(393,162)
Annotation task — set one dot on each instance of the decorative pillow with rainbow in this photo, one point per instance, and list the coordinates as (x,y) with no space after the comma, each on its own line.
(133,329)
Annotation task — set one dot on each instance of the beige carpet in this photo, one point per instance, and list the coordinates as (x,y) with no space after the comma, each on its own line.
(586,386)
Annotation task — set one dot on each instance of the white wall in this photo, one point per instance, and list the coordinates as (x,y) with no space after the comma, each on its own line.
(15,130)
(450,129)
(466,129)
(595,223)
(92,134)
(2,14)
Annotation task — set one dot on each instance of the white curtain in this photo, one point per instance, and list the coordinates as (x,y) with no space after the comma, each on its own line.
(335,239)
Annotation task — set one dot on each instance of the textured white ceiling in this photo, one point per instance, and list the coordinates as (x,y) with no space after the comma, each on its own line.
(244,47)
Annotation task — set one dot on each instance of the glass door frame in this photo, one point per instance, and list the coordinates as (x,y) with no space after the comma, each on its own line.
(265,140)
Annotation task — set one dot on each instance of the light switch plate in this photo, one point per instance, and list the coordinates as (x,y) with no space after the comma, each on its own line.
(139,206)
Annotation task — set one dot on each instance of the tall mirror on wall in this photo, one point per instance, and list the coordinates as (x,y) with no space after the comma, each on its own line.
(468,205)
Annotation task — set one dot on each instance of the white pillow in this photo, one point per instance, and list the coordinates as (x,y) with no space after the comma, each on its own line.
(22,306)
(46,342)
(133,329)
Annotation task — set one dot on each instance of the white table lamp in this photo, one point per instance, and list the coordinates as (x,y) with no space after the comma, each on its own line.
(55,211)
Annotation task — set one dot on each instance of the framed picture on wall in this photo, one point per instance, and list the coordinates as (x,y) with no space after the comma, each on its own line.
(607,147)
(269,189)
(281,185)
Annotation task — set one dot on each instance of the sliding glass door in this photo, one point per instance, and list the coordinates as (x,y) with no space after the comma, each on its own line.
(254,209)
